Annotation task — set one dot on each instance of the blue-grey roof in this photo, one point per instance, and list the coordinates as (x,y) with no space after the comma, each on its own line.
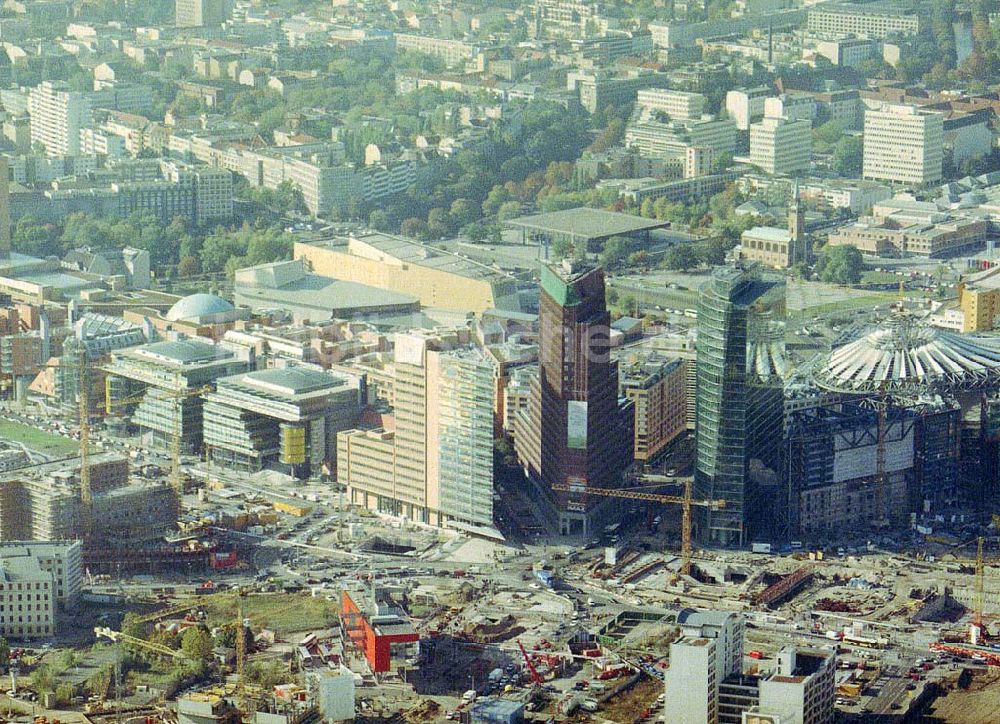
(183,350)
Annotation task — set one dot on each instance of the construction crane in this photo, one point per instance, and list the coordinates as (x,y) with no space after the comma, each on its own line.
(980,590)
(686,501)
(167,612)
(86,495)
(119,637)
(176,476)
(978,629)
(536,678)
(242,699)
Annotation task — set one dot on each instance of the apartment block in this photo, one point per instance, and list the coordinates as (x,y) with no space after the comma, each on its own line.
(979,300)
(802,687)
(199,13)
(678,105)
(903,144)
(692,681)
(601,89)
(746,105)
(27,599)
(945,235)
(452,52)
(798,106)
(709,650)
(871,20)
(60,558)
(781,145)
(652,137)
(57,117)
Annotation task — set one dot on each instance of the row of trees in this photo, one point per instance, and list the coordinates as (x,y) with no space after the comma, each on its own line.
(191,251)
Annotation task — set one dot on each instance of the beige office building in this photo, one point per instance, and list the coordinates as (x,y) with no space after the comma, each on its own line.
(27,599)
(438,278)
(875,20)
(903,144)
(435,464)
(679,105)
(60,558)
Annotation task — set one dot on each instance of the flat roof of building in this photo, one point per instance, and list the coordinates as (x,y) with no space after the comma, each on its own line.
(325,294)
(411,251)
(290,380)
(586,223)
(182,351)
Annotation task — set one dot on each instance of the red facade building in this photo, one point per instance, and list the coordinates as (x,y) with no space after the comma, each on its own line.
(383,635)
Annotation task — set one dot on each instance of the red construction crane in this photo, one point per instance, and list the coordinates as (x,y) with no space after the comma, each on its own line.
(535,678)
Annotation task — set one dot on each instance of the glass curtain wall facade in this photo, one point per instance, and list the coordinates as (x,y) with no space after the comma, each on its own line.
(740,401)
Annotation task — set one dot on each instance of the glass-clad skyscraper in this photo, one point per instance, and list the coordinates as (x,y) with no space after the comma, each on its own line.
(740,371)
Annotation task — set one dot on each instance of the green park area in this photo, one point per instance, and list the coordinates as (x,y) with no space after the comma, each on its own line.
(281,613)
(39,440)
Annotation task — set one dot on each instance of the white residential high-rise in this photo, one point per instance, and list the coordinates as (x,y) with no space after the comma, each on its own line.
(692,682)
(903,144)
(781,146)
(802,687)
(57,115)
(745,105)
(709,650)
(199,13)
(679,105)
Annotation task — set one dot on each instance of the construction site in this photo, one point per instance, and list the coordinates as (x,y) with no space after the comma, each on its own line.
(225,595)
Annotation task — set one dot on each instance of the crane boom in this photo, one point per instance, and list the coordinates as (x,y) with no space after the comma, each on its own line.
(980,583)
(686,501)
(535,677)
(86,496)
(118,636)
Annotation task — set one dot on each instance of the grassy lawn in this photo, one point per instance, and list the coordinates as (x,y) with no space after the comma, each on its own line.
(874,277)
(282,612)
(39,440)
(865,302)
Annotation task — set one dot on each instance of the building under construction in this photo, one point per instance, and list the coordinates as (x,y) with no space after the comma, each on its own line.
(832,456)
(45,502)
(157,386)
(908,432)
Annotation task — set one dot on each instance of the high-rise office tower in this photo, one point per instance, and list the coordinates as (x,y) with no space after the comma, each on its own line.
(199,13)
(781,145)
(574,431)
(436,464)
(740,366)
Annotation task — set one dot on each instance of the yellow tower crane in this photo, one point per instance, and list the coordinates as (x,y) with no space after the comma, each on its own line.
(179,394)
(86,495)
(686,501)
(119,637)
(243,701)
